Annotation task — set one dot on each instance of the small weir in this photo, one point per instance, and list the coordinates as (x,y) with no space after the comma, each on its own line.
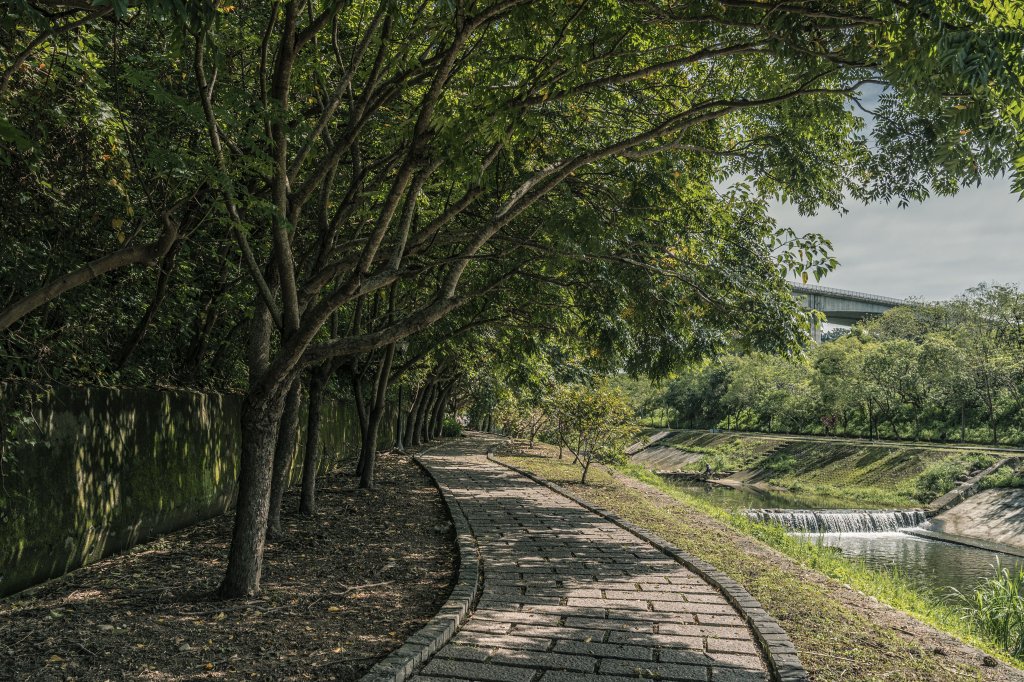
(840,520)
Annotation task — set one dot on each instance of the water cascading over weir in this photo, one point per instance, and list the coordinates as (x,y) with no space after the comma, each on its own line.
(840,520)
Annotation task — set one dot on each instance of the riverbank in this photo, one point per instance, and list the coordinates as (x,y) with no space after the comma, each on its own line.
(848,471)
(837,612)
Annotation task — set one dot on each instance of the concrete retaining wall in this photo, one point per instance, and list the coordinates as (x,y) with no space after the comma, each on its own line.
(93,471)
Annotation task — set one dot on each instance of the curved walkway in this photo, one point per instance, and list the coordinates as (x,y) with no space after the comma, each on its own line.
(570,597)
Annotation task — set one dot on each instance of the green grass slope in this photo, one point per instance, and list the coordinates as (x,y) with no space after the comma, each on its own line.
(875,474)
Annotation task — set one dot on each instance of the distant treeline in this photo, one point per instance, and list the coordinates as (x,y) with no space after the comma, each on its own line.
(951,371)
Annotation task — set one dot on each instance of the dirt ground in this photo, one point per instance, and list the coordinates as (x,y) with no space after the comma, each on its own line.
(340,591)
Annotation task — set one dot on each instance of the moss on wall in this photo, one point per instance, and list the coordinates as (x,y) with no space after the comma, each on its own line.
(94,471)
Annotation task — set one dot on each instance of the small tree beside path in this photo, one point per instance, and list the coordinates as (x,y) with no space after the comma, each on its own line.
(595,423)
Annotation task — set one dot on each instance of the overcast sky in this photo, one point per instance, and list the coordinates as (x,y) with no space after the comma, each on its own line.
(933,250)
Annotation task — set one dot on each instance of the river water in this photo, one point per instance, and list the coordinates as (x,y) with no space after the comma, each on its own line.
(929,564)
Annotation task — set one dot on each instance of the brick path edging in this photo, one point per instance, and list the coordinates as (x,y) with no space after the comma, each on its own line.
(425,642)
(783,661)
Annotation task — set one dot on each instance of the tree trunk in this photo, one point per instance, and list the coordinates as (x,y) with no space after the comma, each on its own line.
(410,420)
(260,419)
(369,454)
(162,281)
(437,417)
(447,407)
(144,254)
(311,459)
(362,414)
(434,418)
(205,321)
(368,450)
(417,432)
(284,455)
(197,348)
(399,425)
(417,421)
(426,423)
(445,404)
(990,404)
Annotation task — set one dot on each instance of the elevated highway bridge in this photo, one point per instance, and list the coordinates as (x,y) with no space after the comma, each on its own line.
(841,306)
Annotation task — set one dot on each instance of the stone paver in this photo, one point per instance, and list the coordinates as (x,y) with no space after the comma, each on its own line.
(569,596)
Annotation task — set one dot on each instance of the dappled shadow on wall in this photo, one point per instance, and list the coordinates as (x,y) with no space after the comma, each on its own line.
(91,471)
(107,468)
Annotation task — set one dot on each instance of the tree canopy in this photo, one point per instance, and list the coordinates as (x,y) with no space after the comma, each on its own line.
(229,196)
(942,371)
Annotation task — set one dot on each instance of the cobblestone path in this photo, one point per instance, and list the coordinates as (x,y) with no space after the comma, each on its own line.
(570,597)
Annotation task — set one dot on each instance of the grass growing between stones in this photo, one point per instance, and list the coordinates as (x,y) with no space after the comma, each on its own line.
(839,624)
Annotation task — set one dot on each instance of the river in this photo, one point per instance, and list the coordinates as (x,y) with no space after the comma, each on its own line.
(930,564)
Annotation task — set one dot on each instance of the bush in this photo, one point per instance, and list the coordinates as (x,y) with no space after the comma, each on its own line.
(1003,477)
(450,428)
(941,477)
(938,479)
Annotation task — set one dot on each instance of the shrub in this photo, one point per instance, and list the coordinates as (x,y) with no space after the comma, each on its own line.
(450,428)
(1003,477)
(938,479)
(941,477)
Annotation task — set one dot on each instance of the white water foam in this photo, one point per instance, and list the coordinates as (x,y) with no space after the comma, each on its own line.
(840,520)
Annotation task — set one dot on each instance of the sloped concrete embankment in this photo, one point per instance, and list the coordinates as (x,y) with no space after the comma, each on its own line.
(991,519)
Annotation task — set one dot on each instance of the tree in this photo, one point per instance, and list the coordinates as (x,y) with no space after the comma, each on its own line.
(924,369)
(646,397)
(776,389)
(989,371)
(698,394)
(595,422)
(838,370)
(944,373)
